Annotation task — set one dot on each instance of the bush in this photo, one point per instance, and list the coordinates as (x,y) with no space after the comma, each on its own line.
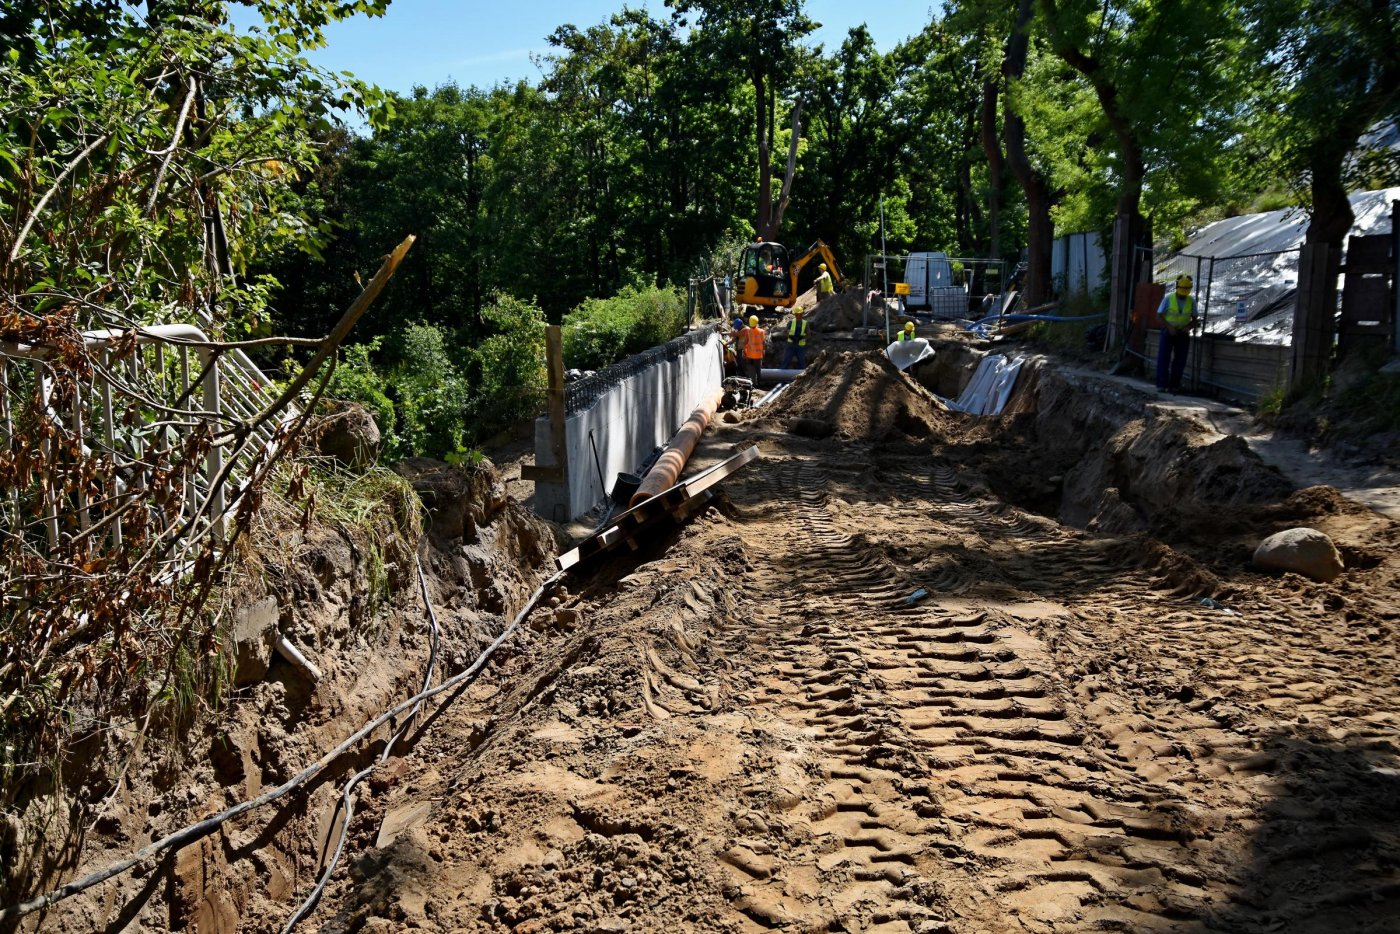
(355,380)
(430,395)
(604,330)
(508,366)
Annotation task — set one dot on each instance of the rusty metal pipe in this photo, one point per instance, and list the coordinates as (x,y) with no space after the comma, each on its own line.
(667,469)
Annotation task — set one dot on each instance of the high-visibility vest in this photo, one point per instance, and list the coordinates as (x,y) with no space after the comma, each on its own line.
(824,286)
(906,335)
(752,339)
(797,329)
(1179,314)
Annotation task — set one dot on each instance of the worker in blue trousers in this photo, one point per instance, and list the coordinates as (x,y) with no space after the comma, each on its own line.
(1177,315)
(796,341)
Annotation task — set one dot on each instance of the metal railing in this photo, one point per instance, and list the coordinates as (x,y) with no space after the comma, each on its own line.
(147,397)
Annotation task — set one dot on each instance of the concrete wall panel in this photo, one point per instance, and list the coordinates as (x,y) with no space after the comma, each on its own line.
(622,427)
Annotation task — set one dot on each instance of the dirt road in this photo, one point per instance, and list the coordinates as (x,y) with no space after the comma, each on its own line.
(760,722)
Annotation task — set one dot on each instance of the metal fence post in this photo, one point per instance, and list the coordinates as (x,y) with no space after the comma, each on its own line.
(214,464)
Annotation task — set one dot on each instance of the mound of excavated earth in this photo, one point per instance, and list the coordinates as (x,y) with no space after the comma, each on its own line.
(865,694)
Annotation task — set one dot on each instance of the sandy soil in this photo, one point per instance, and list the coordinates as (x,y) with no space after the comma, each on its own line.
(761,722)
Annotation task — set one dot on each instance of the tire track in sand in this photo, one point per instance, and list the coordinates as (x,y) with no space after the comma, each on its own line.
(953,787)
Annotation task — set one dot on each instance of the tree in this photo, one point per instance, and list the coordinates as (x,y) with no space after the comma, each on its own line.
(148,157)
(856,145)
(1332,72)
(1040,229)
(761,37)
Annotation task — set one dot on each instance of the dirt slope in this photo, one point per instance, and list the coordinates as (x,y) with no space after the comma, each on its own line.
(755,723)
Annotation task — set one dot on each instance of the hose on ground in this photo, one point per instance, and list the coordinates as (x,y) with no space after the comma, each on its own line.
(347,798)
(201,829)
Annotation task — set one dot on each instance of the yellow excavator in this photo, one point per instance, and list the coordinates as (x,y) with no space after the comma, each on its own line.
(769,275)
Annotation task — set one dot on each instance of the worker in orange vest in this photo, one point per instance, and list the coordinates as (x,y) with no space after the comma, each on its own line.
(751,345)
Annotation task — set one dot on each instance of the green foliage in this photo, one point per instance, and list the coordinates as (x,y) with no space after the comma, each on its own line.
(355,380)
(604,330)
(430,395)
(508,366)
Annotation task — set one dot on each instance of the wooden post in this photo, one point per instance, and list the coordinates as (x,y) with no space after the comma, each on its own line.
(1313,313)
(557,470)
(1395,274)
(554,363)
(1120,282)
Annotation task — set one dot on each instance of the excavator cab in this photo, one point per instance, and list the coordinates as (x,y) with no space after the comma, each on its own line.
(763,274)
(769,276)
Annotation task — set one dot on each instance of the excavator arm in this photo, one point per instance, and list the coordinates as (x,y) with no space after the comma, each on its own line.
(819,249)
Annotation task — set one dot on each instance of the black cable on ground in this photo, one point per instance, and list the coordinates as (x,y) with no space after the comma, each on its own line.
(347,798)
(207,826)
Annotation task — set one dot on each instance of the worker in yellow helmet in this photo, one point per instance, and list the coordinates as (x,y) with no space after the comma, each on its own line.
(1177,315)
(751,345)
(796,340)
(824,286)
(908,333)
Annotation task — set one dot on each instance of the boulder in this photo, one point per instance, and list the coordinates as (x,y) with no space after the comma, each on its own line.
(1303,551)
(349,435)
(254,626)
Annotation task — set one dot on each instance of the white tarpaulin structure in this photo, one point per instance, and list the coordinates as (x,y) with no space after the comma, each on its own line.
(1253,259)
(904,354)
(990,387)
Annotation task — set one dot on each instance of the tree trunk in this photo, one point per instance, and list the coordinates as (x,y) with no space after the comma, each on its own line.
(991,147)
(1332,215)
(765,166)
(775,224)
(1040,231)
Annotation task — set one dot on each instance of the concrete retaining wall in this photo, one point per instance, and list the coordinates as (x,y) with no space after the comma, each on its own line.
(622,427)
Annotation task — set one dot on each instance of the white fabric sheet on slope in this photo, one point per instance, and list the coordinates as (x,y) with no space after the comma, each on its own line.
(990,387)
(904,354)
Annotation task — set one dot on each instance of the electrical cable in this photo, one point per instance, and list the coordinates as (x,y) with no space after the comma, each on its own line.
(347,798)
(201,829)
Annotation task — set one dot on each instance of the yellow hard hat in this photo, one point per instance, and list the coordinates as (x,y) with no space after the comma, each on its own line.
(753,321)
(908,325)
(822,266)
(1183,283)
(799,311)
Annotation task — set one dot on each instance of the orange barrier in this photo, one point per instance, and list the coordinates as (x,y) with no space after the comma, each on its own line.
(667,469)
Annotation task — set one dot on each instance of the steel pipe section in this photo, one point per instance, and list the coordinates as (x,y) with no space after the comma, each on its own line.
(667,469)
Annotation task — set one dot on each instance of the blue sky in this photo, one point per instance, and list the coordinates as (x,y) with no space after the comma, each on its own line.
(431,41)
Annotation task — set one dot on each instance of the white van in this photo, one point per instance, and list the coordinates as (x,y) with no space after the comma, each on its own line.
(931,287)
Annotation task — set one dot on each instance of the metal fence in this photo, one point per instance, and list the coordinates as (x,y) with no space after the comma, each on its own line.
(1245,304)
(148,393)
(581,394)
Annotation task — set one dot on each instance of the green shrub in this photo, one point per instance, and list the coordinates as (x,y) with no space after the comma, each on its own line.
(355,380)
(508,366)
(430,395)
(604,330)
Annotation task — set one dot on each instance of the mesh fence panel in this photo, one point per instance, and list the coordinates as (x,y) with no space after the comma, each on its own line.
(582,394)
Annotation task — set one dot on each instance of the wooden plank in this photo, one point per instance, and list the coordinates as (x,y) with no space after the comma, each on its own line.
(678,502)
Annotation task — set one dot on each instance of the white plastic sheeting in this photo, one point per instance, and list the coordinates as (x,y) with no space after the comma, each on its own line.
(1256,262)
(990,387)
(904,354)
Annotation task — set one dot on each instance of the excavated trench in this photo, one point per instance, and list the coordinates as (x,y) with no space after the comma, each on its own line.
(916,671)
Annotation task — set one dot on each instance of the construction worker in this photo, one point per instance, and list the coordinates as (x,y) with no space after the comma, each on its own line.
(796,340)
(824,286)
(908,333)
(751,346)
(1178,317)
